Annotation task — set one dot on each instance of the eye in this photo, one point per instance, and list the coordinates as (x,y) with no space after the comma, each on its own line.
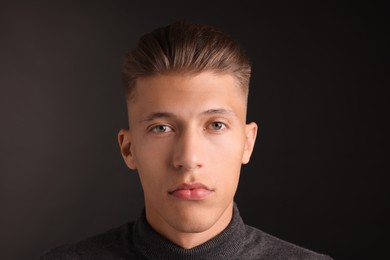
(161,129)
(217,126)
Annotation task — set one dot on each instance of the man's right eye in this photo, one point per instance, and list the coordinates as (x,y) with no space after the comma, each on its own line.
(161,129)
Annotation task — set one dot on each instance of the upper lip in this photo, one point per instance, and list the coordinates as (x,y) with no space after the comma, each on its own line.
(189,186)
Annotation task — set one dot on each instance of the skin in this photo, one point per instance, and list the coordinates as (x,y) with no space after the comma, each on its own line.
(187,129)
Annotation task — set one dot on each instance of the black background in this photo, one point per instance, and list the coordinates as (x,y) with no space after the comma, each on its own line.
(318,176)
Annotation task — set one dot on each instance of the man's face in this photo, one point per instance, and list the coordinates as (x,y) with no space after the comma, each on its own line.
(187,140)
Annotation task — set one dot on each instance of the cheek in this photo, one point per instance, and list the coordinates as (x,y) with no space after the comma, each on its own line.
(149,153)
(150,159)
(230,147)
(228,157)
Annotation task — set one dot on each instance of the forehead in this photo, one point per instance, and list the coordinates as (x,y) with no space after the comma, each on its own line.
(182,94)
(186,82)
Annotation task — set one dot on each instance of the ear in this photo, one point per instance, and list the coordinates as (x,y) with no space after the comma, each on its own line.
(124,139)
(250,138)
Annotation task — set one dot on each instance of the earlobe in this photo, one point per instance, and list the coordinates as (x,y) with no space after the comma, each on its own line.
(124,140)
(250,139)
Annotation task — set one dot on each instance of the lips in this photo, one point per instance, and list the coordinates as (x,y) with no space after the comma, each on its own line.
(194,191)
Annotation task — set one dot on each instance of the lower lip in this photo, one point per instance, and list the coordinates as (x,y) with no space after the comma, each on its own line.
(193,194)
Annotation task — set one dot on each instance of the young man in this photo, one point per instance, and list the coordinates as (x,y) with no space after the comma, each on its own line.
(186,90)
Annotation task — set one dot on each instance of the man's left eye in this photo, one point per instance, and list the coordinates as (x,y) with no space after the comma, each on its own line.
(217,126)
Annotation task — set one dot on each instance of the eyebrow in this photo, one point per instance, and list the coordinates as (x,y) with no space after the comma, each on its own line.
(219,111)
(159,115)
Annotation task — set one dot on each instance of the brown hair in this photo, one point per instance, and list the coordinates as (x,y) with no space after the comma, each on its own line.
(184,47)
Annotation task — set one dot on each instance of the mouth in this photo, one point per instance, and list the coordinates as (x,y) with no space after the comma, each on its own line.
(190,191)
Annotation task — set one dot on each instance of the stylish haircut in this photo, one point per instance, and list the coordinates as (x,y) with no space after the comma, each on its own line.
(189,48)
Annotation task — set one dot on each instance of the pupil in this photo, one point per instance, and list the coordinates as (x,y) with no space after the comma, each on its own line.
(217,125)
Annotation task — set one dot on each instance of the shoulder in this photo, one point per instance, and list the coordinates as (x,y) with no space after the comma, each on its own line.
(260,243)
(112,244)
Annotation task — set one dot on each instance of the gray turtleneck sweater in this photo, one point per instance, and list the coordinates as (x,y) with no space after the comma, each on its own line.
(137,240)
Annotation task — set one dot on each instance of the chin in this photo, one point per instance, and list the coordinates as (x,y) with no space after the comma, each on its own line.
(192,226)
(193,219)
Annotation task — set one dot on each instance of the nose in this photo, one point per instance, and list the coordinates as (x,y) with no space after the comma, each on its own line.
(188,154)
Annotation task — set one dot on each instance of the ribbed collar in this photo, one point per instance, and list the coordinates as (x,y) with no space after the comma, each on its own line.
(225,245)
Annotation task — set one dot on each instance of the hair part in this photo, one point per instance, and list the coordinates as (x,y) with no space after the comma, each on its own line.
(189,48)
